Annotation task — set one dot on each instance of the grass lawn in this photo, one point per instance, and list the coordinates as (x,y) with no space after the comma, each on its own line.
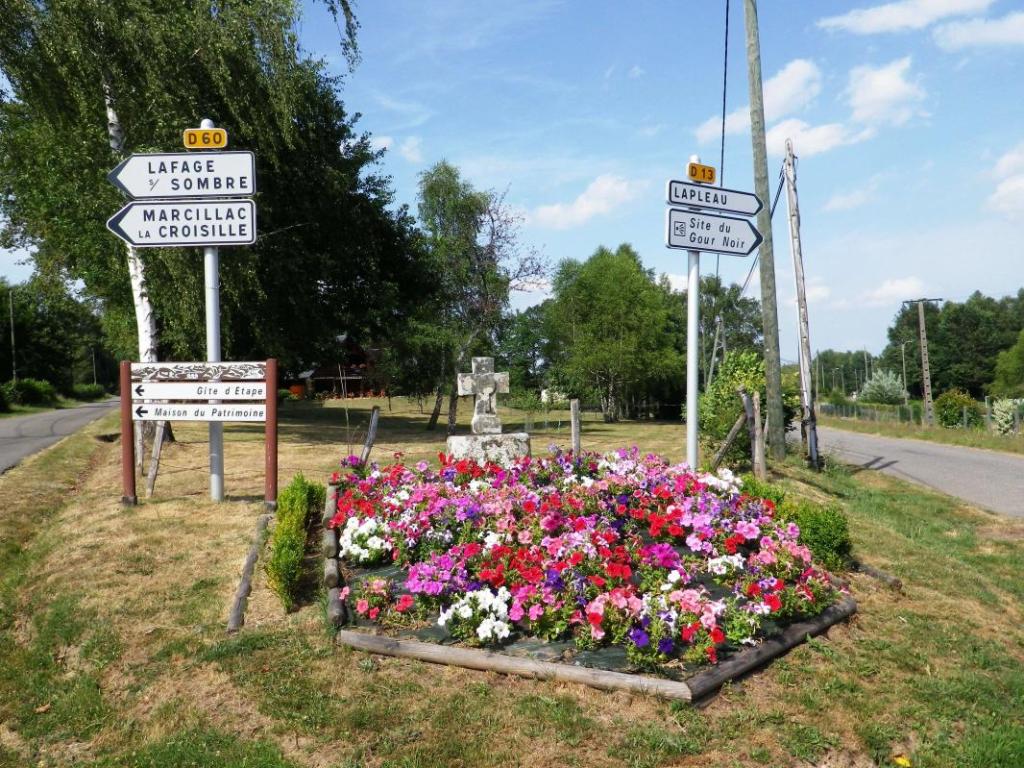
(113,652)
(972,438)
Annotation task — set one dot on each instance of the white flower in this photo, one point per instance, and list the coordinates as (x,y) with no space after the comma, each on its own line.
(465,611)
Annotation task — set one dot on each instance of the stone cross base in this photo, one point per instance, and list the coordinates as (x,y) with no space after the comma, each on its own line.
(502,450)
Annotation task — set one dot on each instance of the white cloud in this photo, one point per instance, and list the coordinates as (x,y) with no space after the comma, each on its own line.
(603,195)
(636,71)
(956,36)
(1008,197)
(880,95)
(893,291)
(409,114)
(382,142)
(902,15)
(412,149)
(816,290)
(853,198)
(677,281)
(648,131)
(811,139)
(790,89)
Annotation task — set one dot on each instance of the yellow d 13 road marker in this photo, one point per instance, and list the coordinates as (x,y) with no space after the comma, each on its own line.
(204,138)
(702,174)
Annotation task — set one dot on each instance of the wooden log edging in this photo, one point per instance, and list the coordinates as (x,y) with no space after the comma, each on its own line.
(489,661)
(893,582)
(692,689)
(333,581)
(236,616)
(709,681)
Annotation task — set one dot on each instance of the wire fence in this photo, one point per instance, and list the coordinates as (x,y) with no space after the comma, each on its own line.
(980,418)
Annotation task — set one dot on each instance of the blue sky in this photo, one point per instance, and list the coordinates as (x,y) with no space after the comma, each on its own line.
(907,118)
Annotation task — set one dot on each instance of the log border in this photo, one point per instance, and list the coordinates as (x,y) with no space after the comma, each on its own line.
(236,615)
(694,688)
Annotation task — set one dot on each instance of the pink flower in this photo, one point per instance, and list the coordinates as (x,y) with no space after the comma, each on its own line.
(404,603)
(362,606)
(345,591)
(747,530)
(536,611)
(374,613)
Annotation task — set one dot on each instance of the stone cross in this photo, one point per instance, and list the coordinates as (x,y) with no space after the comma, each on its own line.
(485,384)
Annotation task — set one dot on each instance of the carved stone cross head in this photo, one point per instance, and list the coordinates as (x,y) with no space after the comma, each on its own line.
(484,383)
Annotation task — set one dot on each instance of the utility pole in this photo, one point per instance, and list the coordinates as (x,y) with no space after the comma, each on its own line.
(10,303)
(903,354)
(926,372)
(867,367)
(692,332)
(842,379)
(809,428)
(211,276)
(769,308)
(834,379)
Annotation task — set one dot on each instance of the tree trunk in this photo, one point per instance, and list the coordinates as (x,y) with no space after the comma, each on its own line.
(453,407)
(145,319)
(436,413)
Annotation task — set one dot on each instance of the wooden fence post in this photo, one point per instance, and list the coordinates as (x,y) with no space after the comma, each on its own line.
(371,436)
(128,496)
(574,411)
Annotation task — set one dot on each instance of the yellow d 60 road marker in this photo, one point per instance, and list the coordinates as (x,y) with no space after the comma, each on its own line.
(702,174)
(208,138)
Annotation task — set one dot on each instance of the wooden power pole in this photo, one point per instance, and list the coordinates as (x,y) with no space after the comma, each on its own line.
(769,308)
(809,428)
(926,371)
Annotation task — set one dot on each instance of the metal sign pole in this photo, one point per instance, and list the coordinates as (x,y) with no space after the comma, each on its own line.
(692,331)
(211,269)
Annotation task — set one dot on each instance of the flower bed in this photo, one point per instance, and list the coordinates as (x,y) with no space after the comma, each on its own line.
(621,550)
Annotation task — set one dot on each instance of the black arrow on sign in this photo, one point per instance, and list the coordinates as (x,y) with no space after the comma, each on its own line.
(139,390)
(140,411)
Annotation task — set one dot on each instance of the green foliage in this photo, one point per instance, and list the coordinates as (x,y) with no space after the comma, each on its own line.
(823,528)
(883,387)
(720,405)
(88,392)
(950,408)
(324,210)
(1009,375)
(615,330)
(5,406)
(1004,414)
(30,392)
(762,489)
(297,506)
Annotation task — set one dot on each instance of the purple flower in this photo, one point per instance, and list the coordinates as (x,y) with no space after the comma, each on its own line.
(639,637)
(665,646)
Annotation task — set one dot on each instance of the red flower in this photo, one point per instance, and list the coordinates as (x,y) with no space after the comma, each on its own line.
(773,602)
(404,603)
(712,654)
(597,581)
(595,619)
(529,507)
(576,558)
(374,613)
(689,631)
(753,589)
(717,635)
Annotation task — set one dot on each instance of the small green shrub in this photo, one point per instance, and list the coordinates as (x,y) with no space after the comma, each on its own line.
(949,409)
(30,392)
(1003,414)
(823,528)
(4,405)
(883,387)
(297,506)
(88,391)
(762,489)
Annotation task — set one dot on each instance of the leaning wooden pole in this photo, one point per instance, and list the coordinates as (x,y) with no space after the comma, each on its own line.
(128,495)
(574,412)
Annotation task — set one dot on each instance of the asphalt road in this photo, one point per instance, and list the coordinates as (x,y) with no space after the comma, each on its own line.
(987,479)
(21,436)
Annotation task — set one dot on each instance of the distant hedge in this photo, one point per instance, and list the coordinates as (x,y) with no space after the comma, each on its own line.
(297,506)
(88,391)
(30,392)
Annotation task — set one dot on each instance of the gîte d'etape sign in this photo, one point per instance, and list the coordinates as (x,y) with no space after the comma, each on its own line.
(169,223)
(199,390)
(186,174)
(199,411)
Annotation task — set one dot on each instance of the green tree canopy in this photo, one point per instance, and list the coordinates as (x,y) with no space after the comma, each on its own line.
(1009,375)
(615,328)
(331,255)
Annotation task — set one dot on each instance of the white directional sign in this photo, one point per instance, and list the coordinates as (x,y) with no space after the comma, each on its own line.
(199,411)
(716,198)
(709,232)
(172,223)
(200,390)
(186,174)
